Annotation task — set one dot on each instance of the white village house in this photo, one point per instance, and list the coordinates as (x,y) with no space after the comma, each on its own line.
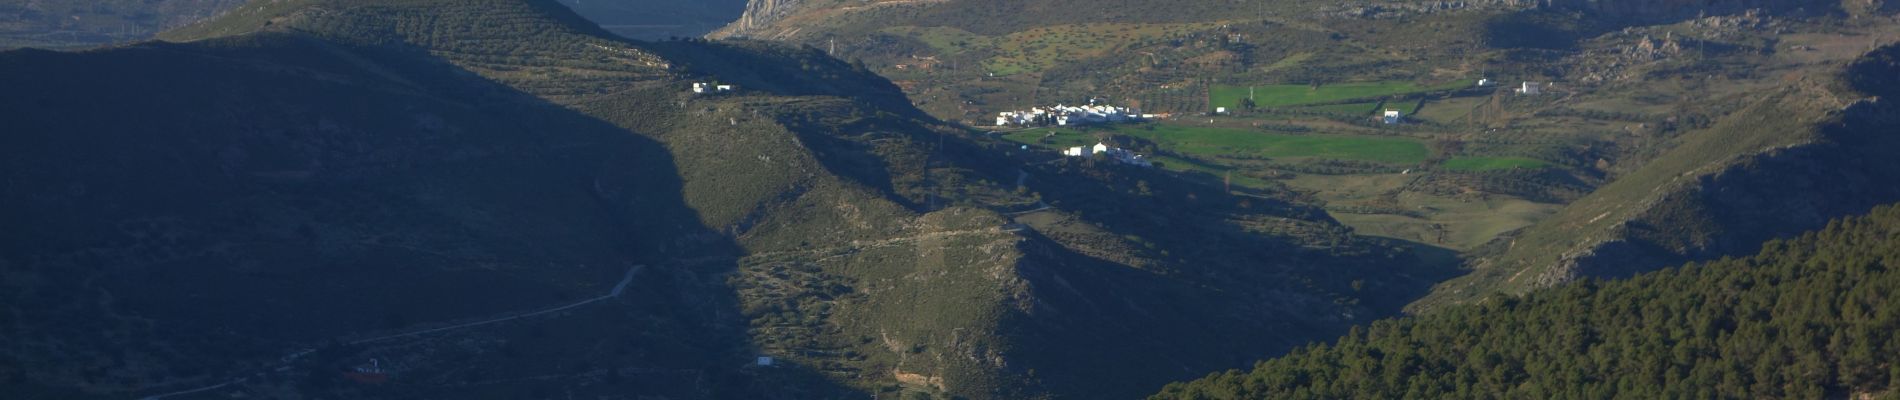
(1393,116)
(703,88)
(1530,88)
(1118,154)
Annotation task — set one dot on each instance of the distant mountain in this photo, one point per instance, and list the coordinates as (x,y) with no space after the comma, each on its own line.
(1810,317)
(79,23)
(498,199)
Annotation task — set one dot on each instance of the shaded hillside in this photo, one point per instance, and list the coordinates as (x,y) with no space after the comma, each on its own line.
(1787,163)
(80,23)
(322,182)
(278,193)
(1810,317)
(659,19)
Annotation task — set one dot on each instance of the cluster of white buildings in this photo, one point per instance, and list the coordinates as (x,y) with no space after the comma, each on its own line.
(1114,153)
(704,88)
(1062,115)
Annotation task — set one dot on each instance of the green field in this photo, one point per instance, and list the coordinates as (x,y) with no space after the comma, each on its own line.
(1492,163)
(1408,107)
(1292,95)
(1353,109)
(1210,141)
(1213,141)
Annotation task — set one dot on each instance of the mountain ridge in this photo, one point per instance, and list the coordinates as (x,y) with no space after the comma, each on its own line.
(812,216)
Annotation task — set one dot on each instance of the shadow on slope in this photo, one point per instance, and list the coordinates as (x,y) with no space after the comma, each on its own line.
(273,193)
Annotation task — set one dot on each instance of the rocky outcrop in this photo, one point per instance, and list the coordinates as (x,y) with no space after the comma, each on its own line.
(759,14)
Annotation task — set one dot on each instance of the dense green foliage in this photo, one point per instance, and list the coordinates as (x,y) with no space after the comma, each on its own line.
(1811,317)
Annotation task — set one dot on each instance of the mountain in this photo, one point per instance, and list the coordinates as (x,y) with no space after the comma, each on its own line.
(1752,176)
(1808,317)
(1676,131)
(500,199)
(56,24)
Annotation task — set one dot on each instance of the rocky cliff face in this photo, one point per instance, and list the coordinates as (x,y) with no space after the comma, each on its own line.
(758,15)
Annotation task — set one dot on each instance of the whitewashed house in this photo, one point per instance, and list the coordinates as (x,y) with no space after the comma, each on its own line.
(1531,88)
(699,88)
(1114,153)
(1065,115)
(1392,117)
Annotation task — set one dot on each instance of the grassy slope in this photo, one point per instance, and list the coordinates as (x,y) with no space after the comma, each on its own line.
(1743,180)
(1282,95)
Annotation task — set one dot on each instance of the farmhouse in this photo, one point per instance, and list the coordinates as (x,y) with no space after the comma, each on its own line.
(703,88)
(1392,116)
(1531,88)
(1114,153)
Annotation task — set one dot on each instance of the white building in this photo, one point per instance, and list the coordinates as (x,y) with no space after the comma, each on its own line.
(703,88)
(1220,110)
(1482,82)
(1118,154)
(1530,88)
(1392,116)
(1064,115)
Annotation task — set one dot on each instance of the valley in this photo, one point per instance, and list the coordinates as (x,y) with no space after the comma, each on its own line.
(792,199)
